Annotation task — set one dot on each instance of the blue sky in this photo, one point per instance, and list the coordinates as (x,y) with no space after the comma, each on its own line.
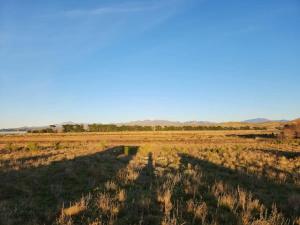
(112,61)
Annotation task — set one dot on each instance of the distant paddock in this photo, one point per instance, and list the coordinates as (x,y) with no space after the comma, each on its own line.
(128,135)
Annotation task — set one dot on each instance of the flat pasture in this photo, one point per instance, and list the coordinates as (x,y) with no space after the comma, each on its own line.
(166,177)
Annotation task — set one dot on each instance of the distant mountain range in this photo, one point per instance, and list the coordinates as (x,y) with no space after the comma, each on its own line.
(28,128)
(199,123)
(166,123)
(259,121)
(262,120)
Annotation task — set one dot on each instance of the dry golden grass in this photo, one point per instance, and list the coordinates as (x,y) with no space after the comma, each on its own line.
(205,177)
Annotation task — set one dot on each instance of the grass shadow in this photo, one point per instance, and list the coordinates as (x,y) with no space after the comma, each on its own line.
(141,203)
(35,195)
(253,136)
(265,190)
(223,216)
(6,164)
(281,153)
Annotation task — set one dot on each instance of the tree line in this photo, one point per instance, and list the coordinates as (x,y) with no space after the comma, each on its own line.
(115,128)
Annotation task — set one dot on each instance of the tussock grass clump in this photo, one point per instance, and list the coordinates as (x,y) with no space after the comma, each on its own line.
(57,145)
(130,150)
(76,208)
(33,146)
(10,147)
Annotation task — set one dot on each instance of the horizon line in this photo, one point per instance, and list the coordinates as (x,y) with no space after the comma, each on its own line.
(162,120)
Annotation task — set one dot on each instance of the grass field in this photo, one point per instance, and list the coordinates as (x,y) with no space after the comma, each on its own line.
(169,178)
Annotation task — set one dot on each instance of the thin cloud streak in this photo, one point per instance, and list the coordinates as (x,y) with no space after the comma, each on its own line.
(121,8)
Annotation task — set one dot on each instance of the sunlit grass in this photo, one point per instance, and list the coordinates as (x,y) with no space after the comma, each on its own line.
(149,178)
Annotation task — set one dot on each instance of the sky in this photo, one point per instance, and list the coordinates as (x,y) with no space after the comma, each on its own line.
(123,60)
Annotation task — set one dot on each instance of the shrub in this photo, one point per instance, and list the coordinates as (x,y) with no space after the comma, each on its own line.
(32,146)
(130,150)
(103,144)
(57,145)
(10,147)
(126,150)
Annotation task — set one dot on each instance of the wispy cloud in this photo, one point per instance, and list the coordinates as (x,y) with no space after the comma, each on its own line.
(131,7)
(96,27)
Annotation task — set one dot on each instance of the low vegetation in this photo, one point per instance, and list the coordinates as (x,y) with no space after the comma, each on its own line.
(168,178)
(291,130)
(68,128)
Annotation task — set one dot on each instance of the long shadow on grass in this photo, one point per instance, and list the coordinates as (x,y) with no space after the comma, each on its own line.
(8,163)
(265,190)
(281,153)
(35,195)
(221,215)
(141,206)
(252,136)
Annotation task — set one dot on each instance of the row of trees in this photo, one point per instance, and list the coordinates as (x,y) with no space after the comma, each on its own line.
(114,128)
(73,128)
(46,130)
